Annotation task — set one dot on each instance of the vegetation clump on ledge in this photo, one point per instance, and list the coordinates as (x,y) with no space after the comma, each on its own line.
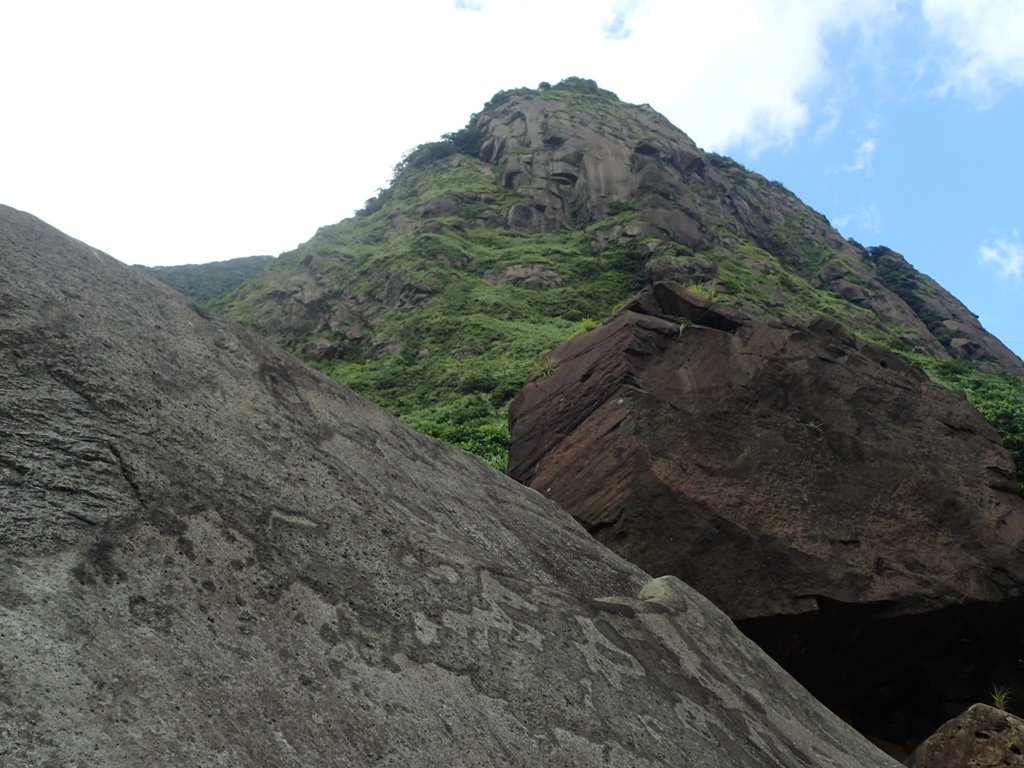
(997,396)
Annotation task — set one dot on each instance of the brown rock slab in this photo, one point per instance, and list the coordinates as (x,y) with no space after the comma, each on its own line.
(853,517)
(982,737)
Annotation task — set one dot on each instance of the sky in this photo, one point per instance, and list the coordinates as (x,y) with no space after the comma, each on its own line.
(185,132)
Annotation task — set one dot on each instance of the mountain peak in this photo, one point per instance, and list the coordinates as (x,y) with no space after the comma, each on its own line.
(547,211)
(573,155)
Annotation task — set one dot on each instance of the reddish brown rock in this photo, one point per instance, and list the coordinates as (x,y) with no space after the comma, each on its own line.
(982,737)
(857,520)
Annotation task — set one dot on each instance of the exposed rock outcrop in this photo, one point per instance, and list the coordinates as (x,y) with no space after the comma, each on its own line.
(860,522)
(982,737)
(527,276)
(948,320)
(572,167)
(576,164)
(213,555)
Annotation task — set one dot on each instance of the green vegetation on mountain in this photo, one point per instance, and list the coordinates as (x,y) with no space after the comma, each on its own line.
(202,282)
(546,212)
(448,344)
(996,396)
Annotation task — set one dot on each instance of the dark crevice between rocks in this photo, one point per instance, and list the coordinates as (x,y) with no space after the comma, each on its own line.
(126,473)
(81,518)
(936,662)
(671,301)
(602,525)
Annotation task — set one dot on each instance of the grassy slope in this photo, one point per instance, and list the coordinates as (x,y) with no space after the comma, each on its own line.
(465,352)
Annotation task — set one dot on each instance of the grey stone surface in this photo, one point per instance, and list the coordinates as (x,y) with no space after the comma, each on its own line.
(214,556)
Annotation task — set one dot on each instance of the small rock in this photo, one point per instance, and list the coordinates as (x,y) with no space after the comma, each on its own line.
(982,737)
(666,589)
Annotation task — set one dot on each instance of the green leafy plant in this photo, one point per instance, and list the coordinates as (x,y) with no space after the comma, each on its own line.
(706,291)
(586,325)
(1000,697)
(545,366)
(998,397)
(414,302)
(202,282)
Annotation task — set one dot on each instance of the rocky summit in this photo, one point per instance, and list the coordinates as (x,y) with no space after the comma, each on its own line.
(859,521)
(213,555)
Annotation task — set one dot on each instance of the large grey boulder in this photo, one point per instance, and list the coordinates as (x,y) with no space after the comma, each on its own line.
(214,556)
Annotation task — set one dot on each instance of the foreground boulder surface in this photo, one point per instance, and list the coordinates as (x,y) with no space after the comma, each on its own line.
(213,555)
(860,522)
(982,737)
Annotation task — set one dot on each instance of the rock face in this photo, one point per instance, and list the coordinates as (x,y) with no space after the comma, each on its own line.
(572,167)
(213,555)
(860,522)
(982,737)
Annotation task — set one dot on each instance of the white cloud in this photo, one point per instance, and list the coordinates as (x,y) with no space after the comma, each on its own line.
(166,133)
(865,220)
(834,113)
(740,73)
(987,41)
(1007,256)
(617,28)
(862,157)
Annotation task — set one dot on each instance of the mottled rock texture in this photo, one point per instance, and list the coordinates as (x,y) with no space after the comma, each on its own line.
(982,737)
(214,556)
(857,520)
